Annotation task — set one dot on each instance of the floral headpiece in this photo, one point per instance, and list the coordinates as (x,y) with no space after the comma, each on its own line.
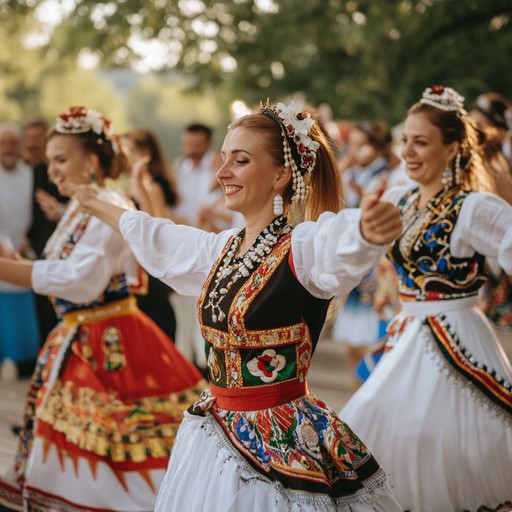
(443,98)
(299,148)
(83,120)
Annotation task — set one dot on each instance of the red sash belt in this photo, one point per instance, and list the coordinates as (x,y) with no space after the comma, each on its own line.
(258,397)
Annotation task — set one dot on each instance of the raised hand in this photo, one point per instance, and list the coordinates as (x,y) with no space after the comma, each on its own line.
(52,209)
(380,220)
(86,195)
(140,170)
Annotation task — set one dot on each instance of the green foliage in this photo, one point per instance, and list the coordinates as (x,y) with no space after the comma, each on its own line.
(161,104)
(366,58)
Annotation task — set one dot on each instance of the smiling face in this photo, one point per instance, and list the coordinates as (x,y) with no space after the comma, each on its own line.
(424,152)
(248,174)
(68,163)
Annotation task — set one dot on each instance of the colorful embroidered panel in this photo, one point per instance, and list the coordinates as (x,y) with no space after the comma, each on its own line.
(494,387)
(302,444)
(242,358)
(422,257)
(116,289)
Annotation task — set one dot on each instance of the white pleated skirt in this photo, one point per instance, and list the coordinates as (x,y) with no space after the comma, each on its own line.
(446,445)
(206,473)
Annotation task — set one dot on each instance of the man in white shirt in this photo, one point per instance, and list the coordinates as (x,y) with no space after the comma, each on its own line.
(47,208)
(195,173)
(19,336)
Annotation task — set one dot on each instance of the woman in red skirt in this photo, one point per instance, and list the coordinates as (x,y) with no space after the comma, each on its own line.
(109,388)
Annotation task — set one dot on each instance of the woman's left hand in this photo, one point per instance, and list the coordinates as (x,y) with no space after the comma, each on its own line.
(380,220)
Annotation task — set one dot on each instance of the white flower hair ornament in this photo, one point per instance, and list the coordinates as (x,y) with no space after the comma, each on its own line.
(83,120)
(443,98)
(299,148)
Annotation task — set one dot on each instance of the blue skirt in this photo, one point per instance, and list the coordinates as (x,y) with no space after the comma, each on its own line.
(19,332)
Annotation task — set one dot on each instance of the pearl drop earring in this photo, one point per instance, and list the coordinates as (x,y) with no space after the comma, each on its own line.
(458,170)
(447,178)
(278,204)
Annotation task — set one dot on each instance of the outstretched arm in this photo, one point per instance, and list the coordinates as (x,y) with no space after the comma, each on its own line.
(16,272)
(331,255)
(14,269)
(88,198)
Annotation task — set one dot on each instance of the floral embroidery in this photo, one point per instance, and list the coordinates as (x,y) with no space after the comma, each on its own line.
(422,257)
(115,359)
(267,365)
(302,438)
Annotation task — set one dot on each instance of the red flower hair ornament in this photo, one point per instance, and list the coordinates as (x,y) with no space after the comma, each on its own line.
(83,120)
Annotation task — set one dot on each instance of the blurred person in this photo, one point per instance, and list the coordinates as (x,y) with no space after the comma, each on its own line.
(109,388)
(257,438)
(34,141)
(489,113)
(149,169)
(368,159)
(365,169)
(195,171)
(47,208)
(156,194)
(491,110)
(19,331)
(437,408)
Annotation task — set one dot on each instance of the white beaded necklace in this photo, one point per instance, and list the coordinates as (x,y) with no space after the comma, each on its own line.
(240,267)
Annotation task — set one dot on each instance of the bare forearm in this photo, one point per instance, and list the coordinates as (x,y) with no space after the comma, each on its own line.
(18,272)
(107,212)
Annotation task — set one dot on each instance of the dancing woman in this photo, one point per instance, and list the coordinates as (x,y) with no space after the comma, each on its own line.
(437,410)
(109,388)
(258,438)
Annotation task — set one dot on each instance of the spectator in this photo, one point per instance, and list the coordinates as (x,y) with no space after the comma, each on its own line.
(19,334)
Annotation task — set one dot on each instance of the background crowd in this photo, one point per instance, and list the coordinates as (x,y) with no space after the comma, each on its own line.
(186,191)
(449,173)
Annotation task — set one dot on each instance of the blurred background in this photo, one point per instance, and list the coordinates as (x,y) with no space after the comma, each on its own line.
(164,63)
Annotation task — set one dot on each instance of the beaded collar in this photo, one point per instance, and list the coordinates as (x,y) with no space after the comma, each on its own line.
(236,268)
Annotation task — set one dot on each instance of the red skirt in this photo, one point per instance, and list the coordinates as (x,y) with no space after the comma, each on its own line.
(102,412)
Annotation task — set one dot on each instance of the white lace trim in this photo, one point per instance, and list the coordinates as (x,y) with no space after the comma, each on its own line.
(446,369)
(65,228)
(315,502)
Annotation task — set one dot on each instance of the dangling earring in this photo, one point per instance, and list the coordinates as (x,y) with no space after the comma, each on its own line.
(278,205)
(92,174)
(458,170)
(447,177)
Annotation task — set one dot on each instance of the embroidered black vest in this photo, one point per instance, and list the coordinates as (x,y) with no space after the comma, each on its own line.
(422,254)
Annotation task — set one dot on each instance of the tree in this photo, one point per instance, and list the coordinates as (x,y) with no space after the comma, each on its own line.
(365,58)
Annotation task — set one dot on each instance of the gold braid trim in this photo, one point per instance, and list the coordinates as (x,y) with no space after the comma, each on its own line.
(102,424)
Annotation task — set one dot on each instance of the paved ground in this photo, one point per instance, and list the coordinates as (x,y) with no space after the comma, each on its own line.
(328,379)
